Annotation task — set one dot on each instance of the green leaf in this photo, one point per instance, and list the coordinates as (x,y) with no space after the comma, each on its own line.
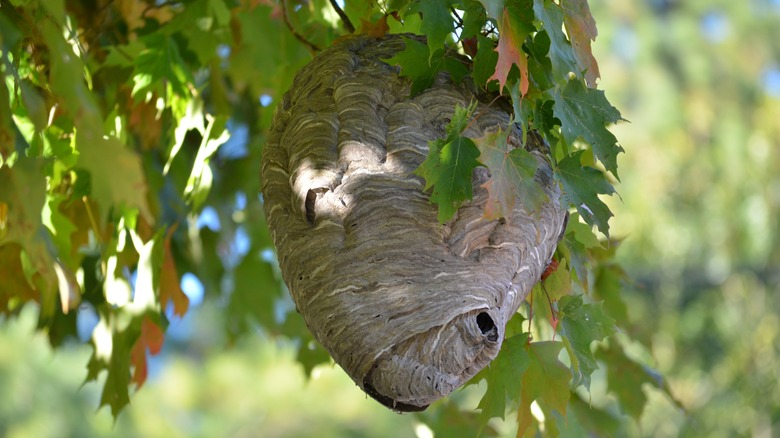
(545,379)
(115,392)
(448,170)
(585,113)
(22,198)
(502,377)
(15,290)
(582,185)
(254,295)
(447,419)
(201,178)
(484,61)
(310,354)
(577,242)
(494,8)
(421,73)
(598,422)
(437,23)
(561,53)
(59,226)
(160,63)
(116,174)
(582,324)
(607,287)
(625,378)
(511,176)
(474,18)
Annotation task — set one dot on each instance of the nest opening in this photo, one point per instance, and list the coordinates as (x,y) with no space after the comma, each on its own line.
(487,327)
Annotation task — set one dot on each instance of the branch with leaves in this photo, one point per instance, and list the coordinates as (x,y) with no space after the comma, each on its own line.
(114,141)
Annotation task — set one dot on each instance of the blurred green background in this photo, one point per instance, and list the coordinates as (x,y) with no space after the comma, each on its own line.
(699,83)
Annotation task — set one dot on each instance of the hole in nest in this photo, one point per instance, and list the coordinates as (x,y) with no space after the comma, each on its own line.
(487,327)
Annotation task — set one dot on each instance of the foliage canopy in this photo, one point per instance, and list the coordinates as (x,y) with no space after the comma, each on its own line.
(124,126)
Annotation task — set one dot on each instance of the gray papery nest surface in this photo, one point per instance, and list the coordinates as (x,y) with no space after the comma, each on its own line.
(409,308)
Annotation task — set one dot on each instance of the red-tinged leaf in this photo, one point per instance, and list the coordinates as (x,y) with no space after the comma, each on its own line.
(510,53)
(558,283)
(511,176)
(151,339)
(581,28)
(547,379)
(170,285)
(470,46)
(551,267)
(376,30)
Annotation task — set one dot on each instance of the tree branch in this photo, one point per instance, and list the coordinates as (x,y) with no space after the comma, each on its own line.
(344,19)
(312,48)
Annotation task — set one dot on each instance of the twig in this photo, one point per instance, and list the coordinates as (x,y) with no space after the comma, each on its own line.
(457,17)
(312,48)
(344,19)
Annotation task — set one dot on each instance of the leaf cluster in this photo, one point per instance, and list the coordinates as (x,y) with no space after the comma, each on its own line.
(129,142)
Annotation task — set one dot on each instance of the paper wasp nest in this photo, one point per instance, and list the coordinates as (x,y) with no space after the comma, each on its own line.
(409,308)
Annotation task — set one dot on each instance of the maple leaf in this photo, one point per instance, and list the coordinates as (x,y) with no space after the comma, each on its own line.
(585,112)
(151,338)
(581,325)
(170,286)
(448,171)
(158,64)
(581,28)
(514,27)
(484,61)
(625,378)
(582,185)
(511,176)
(437,23)
(15,290)
(449,165)
(546,378)
(376,30)
(561,54)
(607,287)
(117,175)
(22,198)
(501,377)
(254,274)
(411,61)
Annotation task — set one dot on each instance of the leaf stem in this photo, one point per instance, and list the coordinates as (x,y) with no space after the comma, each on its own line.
(92,221)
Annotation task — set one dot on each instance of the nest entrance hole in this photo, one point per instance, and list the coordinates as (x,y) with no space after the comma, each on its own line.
(487,326)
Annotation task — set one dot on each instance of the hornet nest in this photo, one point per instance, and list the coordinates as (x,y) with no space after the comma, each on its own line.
(411,309)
